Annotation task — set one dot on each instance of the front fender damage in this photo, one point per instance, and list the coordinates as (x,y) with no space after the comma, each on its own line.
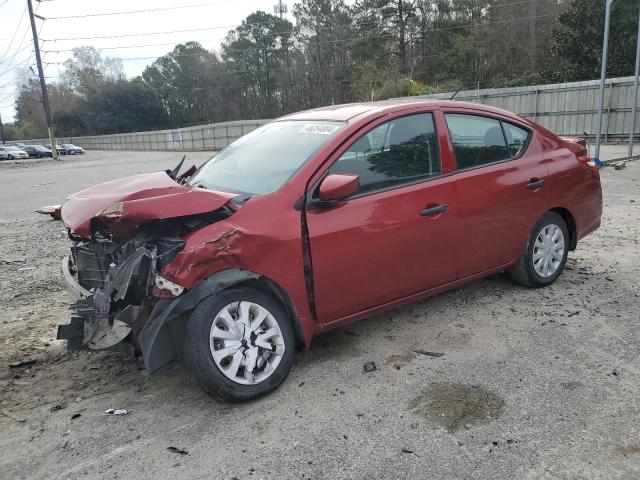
(156,339)
(202,255)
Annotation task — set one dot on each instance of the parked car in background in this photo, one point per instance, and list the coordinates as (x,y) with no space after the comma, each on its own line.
(61,151)
(72,149)
(10,152)
(315,220)
(37,151)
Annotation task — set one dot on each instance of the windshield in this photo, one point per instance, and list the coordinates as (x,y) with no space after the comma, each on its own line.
(263,160)
(12,148)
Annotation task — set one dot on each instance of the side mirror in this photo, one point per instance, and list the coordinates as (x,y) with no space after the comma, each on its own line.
(338,186)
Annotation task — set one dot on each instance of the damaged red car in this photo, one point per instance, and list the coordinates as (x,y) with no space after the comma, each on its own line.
(317,219)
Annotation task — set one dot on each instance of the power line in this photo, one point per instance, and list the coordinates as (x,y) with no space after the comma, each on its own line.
(187,30)
(219,27)
(14,35)
(129,12)
(325,42)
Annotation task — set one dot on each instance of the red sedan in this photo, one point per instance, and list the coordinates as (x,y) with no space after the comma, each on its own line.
(317,219)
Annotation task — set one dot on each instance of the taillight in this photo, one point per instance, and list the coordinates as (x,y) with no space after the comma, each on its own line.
(591,162)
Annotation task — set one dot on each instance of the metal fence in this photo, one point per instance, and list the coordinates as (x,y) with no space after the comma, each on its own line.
(563,108)
(214,136)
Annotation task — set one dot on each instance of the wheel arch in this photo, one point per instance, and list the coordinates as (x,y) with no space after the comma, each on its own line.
(568,218)
(270,287)
(161,337)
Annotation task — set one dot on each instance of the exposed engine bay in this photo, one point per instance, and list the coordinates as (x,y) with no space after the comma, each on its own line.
(114,278)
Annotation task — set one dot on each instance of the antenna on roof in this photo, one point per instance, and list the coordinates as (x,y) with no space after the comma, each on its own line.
(451,98)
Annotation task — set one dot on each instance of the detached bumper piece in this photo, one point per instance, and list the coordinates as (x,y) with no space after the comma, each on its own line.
(76,331)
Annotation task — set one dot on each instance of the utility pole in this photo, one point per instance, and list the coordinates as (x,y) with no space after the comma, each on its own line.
(43,84)
(1,131)
(280,8)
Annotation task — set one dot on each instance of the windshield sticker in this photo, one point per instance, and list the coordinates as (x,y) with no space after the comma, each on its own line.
(319,129)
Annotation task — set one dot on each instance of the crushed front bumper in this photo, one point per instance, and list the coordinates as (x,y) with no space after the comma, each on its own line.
(110,285)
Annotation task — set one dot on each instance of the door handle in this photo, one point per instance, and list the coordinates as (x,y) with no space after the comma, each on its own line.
(535,183)
(432,210)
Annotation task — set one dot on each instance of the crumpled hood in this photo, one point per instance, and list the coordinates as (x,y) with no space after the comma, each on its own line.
(148,196)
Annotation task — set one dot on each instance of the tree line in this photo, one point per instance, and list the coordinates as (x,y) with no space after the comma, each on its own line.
(333,52)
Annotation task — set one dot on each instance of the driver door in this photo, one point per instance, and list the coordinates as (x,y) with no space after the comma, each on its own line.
(395,236)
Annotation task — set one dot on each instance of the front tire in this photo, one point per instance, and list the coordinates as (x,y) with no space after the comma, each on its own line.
(545,254)
(239,344)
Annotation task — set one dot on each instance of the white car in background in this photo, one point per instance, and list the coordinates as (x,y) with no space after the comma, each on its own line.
(9,152)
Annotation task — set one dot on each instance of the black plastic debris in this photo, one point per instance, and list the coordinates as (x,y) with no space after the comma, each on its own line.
(177,450)
(75,415)
(429,354)
(370,367)
(21,363)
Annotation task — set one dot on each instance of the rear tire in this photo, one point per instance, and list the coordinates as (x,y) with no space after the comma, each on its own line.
(545,254)
(228,378)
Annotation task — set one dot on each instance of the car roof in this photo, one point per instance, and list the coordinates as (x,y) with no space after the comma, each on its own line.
(349,112)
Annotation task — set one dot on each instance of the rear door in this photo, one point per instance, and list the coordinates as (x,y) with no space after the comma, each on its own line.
(500,187)
(383,244)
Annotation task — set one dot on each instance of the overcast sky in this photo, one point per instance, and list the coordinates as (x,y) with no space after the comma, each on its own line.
(16,51)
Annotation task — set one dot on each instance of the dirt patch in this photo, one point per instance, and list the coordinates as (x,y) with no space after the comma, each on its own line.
(455,405)
(629,450)
(399,360)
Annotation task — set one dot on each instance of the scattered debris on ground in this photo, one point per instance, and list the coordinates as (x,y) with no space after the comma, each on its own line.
(619,165)
(370,367)
(58,406)
(429,354)
(177,450)
(116,411)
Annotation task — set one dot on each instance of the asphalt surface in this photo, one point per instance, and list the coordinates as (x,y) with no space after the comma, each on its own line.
(532,384)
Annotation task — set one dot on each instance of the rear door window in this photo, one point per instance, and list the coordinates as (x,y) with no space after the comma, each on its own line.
(479,140)
(398,152)
(476,140)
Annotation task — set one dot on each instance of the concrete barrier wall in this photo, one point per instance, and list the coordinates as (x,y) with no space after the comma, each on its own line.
(214,136)
(563,108)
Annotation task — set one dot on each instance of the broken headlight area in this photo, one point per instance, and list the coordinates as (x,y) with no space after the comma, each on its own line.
(112,282)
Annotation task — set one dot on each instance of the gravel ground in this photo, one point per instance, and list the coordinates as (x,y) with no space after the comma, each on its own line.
(533,384)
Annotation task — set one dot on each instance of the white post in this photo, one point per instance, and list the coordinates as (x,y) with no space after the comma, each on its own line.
(603,72)
(632,129)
